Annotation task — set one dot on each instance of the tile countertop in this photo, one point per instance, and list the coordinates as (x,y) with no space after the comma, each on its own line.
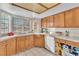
(71,38)
(9,37)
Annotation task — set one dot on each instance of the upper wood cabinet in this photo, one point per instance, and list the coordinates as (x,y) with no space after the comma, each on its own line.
(11,46)
(50,22)
(59,20)
(69,18)
(39,41)
(76,17)
(3,48)
(44,23)
(72,18)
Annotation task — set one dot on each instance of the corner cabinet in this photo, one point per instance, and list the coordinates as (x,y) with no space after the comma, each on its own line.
(39,41)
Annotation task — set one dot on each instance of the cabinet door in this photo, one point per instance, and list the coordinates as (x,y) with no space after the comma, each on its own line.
(2,48)
(44,23)
(31,41)
(69,18)
(59,20)
(11,46)
(39,41)
(51,23)
(76,17)
(20,44)
(27,42)
(48,21)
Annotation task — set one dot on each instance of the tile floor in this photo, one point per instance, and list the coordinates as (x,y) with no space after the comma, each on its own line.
(35,52)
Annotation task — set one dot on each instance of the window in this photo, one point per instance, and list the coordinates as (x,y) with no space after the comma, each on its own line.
(4,23)
(17,25)
(20,25)
(27,25)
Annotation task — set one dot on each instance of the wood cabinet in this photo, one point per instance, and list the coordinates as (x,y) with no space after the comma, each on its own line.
(20,44)
(72,18)
(39,41)
(31,41)
(69,18)
(44,23)
(76,17)
(3,48)
(26,42)
(15,45)
(11,46)
(50,22)
(59,20)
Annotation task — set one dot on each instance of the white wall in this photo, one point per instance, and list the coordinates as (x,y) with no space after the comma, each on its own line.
(72,31)
(17,11)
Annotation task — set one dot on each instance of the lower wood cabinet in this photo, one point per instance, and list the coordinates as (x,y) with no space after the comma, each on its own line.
(26,42)
(20,45)
(11,46)
(31,41)
(15,45)
(39,41)
(2,48)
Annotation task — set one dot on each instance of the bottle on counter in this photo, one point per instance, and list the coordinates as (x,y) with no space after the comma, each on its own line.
(66,33)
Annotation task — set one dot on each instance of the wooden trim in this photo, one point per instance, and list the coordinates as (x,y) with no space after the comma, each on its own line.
(51,7)
(42,5)
(24,8)
(35,11)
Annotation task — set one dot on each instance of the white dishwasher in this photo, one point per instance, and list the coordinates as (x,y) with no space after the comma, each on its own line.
(50,43)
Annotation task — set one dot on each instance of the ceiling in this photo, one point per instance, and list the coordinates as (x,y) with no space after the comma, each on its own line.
(36,7)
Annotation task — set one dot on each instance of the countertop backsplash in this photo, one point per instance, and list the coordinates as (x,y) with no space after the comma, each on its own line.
(72,31)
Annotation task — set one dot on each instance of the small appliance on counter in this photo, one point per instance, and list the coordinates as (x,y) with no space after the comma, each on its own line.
(44,30)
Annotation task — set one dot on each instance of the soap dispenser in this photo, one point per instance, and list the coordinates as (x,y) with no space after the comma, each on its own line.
(66,33)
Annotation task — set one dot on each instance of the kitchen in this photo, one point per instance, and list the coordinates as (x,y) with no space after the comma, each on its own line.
(39,29)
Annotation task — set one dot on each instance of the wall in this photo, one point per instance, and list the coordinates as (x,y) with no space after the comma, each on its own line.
(17,11)
(73,31)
